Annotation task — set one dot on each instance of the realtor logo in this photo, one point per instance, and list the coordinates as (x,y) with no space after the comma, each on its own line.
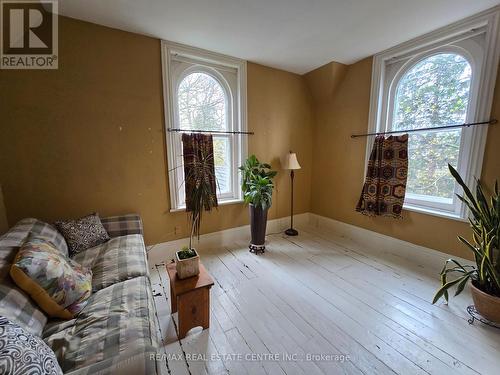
(29,34)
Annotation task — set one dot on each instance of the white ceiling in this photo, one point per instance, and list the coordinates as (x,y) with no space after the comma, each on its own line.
(294,35)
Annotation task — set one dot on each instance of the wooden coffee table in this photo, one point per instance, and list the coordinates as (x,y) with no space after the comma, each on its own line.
(190,298)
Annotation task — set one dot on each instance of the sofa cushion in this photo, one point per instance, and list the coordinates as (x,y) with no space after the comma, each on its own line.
(119,259)
(83,233)
(16,235)
(118,319)
(59,285)
(123,225)
(23,353)
(15,303)
(20,308)
(129,362)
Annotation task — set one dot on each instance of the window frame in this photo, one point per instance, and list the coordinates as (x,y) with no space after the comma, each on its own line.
(483,79)
(213,64)
(417,201)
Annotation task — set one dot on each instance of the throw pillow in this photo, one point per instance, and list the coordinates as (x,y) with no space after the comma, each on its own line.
(23,353)
(82,233)
(59,285)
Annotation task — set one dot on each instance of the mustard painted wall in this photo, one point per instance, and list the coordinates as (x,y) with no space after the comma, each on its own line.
(342,95)
(90,135)
(3,215)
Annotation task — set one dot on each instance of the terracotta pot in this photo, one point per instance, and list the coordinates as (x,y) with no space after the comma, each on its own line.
(187,267)
(487,305)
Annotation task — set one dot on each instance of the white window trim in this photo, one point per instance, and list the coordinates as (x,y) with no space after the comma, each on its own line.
(488,22)
(240,151)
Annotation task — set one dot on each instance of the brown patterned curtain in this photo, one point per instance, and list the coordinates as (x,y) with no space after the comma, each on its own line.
(384,189)
(199,168)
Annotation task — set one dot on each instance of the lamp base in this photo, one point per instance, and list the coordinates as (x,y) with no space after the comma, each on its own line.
(291,232)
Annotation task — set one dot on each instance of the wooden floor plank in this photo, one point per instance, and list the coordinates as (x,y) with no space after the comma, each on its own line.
(382,319)
(325,330)
(279,324)
(345,323)
(477,355)
(321,293)
(418,279)
(174,355)
(419,302)
(276,340)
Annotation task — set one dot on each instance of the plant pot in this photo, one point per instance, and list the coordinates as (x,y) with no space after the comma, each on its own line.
(258,223)
(487,305)
(187,267)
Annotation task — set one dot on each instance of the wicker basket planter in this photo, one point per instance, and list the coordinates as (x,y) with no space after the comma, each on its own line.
(487,305)
(187,267)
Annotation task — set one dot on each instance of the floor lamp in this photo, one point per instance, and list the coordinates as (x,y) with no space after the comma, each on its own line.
(291,164)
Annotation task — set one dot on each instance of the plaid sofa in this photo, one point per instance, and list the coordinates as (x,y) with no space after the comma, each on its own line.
(117,332)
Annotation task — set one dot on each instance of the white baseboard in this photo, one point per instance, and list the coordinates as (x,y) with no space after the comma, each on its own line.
(371,239)
(165,251)
(366,238)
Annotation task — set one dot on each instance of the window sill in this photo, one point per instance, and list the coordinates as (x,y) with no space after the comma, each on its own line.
(225,202)
(430,211)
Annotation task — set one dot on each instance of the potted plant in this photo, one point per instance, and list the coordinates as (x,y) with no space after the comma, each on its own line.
(187,263)
(200,196)
(257,187)
(485,275)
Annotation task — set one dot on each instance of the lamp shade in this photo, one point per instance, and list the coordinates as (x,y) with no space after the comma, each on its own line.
(291,162)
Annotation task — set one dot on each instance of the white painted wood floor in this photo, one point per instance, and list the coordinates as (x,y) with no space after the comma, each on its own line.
(322,304)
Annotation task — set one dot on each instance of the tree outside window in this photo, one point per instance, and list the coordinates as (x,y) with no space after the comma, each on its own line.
(434,92)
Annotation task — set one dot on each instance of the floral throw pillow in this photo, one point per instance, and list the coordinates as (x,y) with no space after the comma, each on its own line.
(23,353)
(82,233)
(59,285)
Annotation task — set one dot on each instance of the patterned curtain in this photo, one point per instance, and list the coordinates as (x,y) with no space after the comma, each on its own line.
(384,189)
(199,168)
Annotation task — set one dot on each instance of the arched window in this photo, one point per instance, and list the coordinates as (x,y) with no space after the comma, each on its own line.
(443,78)
(431,93)
(202,103)
(205,91)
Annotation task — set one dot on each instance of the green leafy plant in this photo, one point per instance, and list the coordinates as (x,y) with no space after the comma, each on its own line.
(186,253)
(260,192)
(199,190)
(253,168)
(257,184)
(485,224)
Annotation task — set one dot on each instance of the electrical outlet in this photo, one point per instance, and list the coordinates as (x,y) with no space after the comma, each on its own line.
(177,229)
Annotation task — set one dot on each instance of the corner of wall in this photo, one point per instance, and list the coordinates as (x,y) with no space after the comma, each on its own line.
(324,81)
(323,84)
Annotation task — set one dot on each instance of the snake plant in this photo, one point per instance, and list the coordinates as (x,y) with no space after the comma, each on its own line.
(485,223)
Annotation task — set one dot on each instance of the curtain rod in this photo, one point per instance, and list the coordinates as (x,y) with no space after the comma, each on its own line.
(208,131)
(490,122)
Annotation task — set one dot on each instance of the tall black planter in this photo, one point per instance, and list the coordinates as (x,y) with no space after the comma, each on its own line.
(258,223)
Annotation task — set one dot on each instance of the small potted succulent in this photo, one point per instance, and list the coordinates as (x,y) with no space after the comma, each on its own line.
(485,274)
(200,196)
(257,187)
(187,263)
